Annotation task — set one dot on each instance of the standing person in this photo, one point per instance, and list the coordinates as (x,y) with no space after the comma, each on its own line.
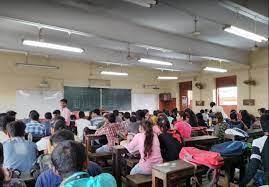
(148,145)
(34,127)
(65,112)
(81,124)
(47,123)
(215,109)
(96,118)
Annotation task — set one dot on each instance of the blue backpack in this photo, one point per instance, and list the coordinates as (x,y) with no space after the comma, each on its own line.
(231,148)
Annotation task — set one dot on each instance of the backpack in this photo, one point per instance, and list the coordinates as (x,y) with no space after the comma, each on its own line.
(231,148)
(237,132)
(210,159)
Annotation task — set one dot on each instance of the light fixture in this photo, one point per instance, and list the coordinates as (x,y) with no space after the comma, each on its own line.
(112,63)
(220,70)
(143,3)
(167,78)
(215,58)
(152,61)
(114,73)
(154,48)
(243,33)
(52,46)
(166,69)
(37,66)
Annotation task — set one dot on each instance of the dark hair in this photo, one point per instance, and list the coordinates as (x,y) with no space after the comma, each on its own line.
(206,110)
(4,120)
(140,115)
(199,117)
(265,122)
(116,112)
(219,116)
(155,112)
(147,126)
(166,112)
(16,129)
(133,113)
(68,157)
(212,104)
(246,118)
(202,111)
(111,118)
(96,111)
(59,125)
(262,110)
(34,115)
(1,154)
(182,114)
(81,114)
(60,136)
(64,100)
(192,117)
(11,113)
(73,117)
(146,111)
(233,115)
(126,115)
(48,115)
(133,119)
(163,123)
(32,112)
(58,112)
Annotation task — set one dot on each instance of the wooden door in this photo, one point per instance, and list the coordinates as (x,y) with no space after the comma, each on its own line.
(185,101)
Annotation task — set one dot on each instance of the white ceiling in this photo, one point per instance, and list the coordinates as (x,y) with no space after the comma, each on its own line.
(115,24)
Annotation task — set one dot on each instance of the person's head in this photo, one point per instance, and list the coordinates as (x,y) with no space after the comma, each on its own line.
(155,113)
(60,136)
(68,157)
(233,116)
(121,114)
(146,112)
(56,113)
(202,111)
(111,118)
(73,117)
(81,115)
(219,117)
(146,127)
(126,115)
(163,123)
(48,116)
(265,123)
(133,113)
(140,115)
(63,103)
(32,112)
(261,111)
(16,129)
(212,104)
(190,117)
(12,113)
(95,112)
(133,119)
(206,111)
(34,115)
(4,120)
(116,112)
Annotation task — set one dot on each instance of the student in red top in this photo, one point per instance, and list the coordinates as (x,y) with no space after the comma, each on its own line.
(65,112)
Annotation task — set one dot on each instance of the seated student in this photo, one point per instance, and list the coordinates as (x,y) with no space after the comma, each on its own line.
(19,154)
(154,117)
(47,123)
(118,118)
(205,114)
(148,145)
(68,159)
(246,118)
(34,127)
(7,181)
(126,119)
(200,120)
(81,124)
(96,117)
(4,120)
(190,117)
(133,127)
(12,113)
(170,140)
(56,113)
(260,154)
(170,119)
(110,129)
(220,127)
(182,126)
(234,123)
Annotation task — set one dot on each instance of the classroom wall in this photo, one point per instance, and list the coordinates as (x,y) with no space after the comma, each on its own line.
(71,73)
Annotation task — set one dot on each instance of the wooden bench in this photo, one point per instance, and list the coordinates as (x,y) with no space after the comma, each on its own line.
(137,180)
(199,141)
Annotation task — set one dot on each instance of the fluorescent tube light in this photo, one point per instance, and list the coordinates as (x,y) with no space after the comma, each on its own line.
(214,58)
(243,33)
(154,48)
(166,69)
(167,78)
(52,46)
(143,3)
(114,73)
(151,61)
(37,66)
(220,70)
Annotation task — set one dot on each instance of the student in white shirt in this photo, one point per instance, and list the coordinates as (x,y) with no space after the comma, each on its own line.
(81,123)
(216,109)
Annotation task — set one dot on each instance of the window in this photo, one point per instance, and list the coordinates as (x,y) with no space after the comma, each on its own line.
(227,95)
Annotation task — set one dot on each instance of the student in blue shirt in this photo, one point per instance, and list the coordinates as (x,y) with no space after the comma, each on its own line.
(47,123)
(69,159)
(19,154)
(34,127)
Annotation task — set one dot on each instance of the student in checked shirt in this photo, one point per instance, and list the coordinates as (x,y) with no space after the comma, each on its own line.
(34,127)
(260,155)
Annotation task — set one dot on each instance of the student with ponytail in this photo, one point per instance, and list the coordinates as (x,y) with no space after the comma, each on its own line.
(148,145)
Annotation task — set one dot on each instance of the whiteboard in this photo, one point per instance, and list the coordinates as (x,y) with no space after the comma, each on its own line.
(145,101)
(41,101)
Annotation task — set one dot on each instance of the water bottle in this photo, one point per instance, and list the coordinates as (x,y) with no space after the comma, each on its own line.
(30,137)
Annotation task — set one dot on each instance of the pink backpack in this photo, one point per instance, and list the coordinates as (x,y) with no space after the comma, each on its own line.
(183,128)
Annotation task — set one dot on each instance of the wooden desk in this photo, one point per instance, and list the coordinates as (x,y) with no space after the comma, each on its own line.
(254,133)
(201,140)
(168,171)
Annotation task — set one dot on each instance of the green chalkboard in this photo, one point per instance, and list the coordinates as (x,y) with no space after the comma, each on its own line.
(119,99)
(82,98)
